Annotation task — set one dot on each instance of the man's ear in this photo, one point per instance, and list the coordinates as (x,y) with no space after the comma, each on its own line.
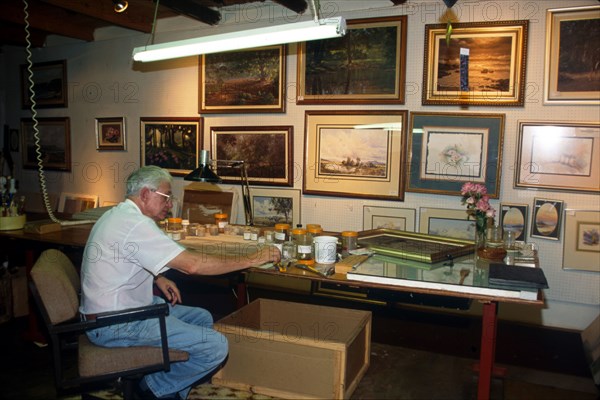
(145,194)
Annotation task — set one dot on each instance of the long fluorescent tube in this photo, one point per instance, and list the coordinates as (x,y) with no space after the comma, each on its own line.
(280,34)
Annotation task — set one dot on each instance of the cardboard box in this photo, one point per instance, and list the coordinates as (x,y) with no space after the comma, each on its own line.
(293,350)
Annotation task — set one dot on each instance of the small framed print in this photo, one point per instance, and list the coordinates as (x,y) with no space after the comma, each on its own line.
(400,219)
(110,133)
(582,240)
(446,222)
(49,82)
(275,206)
(54,139)
(513,217)
(546,218)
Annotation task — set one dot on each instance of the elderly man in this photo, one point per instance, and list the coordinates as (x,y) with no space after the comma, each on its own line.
(124,258)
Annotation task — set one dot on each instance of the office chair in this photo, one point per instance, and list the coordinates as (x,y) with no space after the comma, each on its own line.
(55,286)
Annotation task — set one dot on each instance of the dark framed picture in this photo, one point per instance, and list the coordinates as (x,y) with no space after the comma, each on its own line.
(581,248)
(355,154)
(449,149)
(275,206)
(55,143)
(110,133)
(49,85)
(328,69)
(546,218)
(572,73)
(494,74)
(171,143)
(244,81)
(267,152)
(513,217)
(570,161)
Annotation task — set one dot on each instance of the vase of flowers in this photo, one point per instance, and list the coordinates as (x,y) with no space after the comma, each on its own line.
(475,197)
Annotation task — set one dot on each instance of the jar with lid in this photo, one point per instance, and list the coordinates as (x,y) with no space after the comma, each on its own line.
(185,228)
(281,235)
(288,250)
(221,220)
(349,242)
(303,245)
(174,228)
(312,231)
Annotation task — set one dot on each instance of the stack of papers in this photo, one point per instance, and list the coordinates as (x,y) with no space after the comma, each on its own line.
(513,277)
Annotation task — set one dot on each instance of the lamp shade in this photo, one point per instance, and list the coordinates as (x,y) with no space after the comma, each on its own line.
(204,172)
(252,38)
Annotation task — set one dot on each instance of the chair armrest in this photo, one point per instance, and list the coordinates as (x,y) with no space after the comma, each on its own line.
(116,317)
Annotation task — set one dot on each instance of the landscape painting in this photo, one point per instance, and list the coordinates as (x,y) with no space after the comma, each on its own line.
(243,81)
(275,206)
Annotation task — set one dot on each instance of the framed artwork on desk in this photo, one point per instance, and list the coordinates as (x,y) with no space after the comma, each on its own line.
(446,222)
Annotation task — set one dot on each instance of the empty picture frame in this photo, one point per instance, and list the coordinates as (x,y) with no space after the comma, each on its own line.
(446,222)
(71,203)
(514,217)
(400,219)
(581,248)
(546,218)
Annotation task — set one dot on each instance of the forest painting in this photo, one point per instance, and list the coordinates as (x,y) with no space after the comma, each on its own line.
(266,152)
(243,81)
(367,65)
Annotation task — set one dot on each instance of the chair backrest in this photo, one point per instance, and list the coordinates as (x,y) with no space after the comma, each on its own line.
(58,285)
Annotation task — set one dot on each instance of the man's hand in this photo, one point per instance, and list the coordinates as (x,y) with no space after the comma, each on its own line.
(169,289)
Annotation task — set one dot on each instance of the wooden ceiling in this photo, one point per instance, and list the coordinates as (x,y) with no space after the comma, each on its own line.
(79,19)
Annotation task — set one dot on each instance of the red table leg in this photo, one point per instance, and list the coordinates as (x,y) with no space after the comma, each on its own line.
(488,349)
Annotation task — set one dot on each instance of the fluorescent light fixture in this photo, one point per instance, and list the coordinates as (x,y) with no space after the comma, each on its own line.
(280,34)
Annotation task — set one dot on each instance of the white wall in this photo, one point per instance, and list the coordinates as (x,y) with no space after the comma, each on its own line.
(104,82)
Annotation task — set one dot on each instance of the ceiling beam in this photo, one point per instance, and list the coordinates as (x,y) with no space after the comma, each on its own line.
(138,16)
(15,35)
(194,9)
(297,6)
(49,19)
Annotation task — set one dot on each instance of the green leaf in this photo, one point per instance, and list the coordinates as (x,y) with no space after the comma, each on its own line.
(448,32)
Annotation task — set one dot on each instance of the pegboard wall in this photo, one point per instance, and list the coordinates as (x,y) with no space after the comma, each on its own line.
(172,91)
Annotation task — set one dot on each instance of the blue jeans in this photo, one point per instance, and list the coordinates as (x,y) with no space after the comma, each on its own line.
(188,329)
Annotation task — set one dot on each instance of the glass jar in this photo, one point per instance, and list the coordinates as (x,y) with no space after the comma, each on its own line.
(221,220)
(312,231)
(288,250)
(185,228)
(303,245)
(174,228)
(281,235)
(349,242)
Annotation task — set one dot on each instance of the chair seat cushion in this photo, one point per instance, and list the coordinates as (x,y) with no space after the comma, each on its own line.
(97,360)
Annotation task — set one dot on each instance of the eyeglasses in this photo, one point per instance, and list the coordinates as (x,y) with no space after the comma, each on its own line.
(168,197)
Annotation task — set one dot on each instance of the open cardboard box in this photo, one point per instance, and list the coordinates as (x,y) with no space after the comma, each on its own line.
(295,351)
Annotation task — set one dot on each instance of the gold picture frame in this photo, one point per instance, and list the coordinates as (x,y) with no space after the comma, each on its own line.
(414,246)
(110,134)
(492,83)
(571,73)
(355,153)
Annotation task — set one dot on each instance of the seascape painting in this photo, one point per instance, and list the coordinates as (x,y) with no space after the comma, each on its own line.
(354,153)
(562,156)
(546,219)
(489,63)
(514,218)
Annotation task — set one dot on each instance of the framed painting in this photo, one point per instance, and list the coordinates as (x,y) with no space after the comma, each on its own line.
(110,134)
(400,219)
(267,152)
(446,222)
(55,143)
(558,156)
(492,71)
(49,85)
(546,218)
(571,69)
(581,248)
(243,81)
(355,154)
(366,66)
(275,206)
(448,149)
(513,217)
(71,203)
(171,143)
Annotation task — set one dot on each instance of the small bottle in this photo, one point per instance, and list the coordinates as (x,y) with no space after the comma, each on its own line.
(303,246)
(288,250)
(221,221)
(174,228)
(281,235)
(349,242)
(185,228)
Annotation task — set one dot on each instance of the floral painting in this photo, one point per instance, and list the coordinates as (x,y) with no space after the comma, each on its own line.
(110,133)
(171,143)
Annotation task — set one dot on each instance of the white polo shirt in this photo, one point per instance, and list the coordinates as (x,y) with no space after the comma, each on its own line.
(124,252)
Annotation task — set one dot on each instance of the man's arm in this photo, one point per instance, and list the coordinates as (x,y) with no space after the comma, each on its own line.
(217,263)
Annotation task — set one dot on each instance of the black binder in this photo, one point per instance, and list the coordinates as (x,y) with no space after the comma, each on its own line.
(516,278)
